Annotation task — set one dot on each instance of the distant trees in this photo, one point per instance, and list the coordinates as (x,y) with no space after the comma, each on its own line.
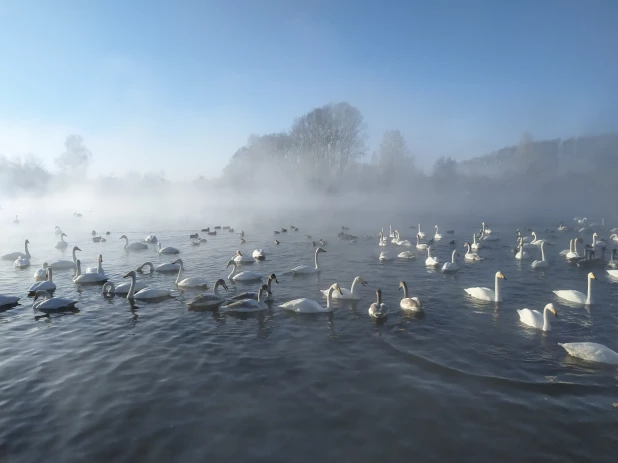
(22,174)
(394,157)
(445,169)
(76,156)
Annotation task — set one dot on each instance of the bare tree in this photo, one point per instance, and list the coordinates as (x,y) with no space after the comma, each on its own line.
(75,156)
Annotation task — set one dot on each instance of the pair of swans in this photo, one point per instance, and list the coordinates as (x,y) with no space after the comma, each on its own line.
(21,259)
(398,241)
(486,294)
(47,285)
(44,302)
(306,269)
(209,301)
(305,305)
(249,305)
(535,319)
(255,294)
(88,278)
(345,293)
(451,267)
(62,244)
(573,254)
(577,296)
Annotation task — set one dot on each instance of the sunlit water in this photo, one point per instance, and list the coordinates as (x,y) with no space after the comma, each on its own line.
(156,382)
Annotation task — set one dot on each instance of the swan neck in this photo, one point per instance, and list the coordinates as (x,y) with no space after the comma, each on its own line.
(27,252)
(405,290)
(78,272)
(543,251)
(497,289)
(131,292)
(545,319)
(179,273)
(353,287)
(109,287)
(317,251)
(453,256)
(589,295)
(329,297)
(233,270)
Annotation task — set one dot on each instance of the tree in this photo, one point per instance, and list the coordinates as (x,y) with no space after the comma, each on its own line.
(445,169)
(75,156)
(394,156)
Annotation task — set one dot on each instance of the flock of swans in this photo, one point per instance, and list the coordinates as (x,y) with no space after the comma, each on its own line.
(253,301)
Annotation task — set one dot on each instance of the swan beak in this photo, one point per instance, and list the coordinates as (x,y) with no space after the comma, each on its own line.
(363,282)
(78,249)
(555,312)
(339,289)
(126,276)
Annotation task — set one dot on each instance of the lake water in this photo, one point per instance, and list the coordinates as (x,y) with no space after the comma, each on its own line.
(156,382)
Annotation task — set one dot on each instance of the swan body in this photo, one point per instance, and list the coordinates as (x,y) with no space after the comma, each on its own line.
(258,254)
(307,270)
(412,304)
(576,296)
(406,255)
(98,268)
(16,255)
(535,319)
(304,305)
(487,294)
(46,303)
(541,263)
(471,256)
(8,300)
(538,242)
(170,267)
(242,276)
(147,293)
(192,282)
(110,288)
(41,273)
(384,256)
(22,262)
(613,273)
(591,351)
(420,246)
(62,244)
(65,264)
(345,293)
(450,267)
(167,249)
(47,285)
(209,301)
(431,261)
(249,305)
(151,239)
(133,246)
(378,309)
(87,278)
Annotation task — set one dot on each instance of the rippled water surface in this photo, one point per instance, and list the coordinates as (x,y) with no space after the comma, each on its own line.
(156,382)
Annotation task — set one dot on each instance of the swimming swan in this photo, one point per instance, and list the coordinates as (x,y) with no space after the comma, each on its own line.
(591,351)
(133,246)
(487,294)
(41,273)
(167,249)
(431,261)
(258,254)
(16,255)
(345,293)
(452,265)
(576,296)
(46,303)
(471,256)
(541,263)
(208,301)
(249,305)
(378,309)
(534,318)
(8,300)
(110,289)
(254,294)
(420,234)
(191,282)
(307,270)
(147,293)
(304,305)
(242,276)
(437,236)
(87,278)
(412,304)
(47,285)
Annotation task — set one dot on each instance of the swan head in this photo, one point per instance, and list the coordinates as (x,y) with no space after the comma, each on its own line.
(27,241)
(45,264)
(361,281)
(178,261)
(273,277)
(41,294)
(277,242)
(230,262)
(131,274)
(238,253)
(500,275)
(123,237)
(320,250)
(221,282)
(467,244)
(100,258)
(337,288)
(75,248)
(402,284)
(591,276)
(552,309)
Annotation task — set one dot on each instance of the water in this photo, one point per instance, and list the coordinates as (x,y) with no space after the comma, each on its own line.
(156,382)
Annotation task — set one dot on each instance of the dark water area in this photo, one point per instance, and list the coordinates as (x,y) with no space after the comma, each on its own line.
(157,382)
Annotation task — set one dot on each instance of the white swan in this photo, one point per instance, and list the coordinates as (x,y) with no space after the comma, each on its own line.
(538,242)
(304,305)
(167,268)
(209,301)
(521,254)
(110,288)
(191,282)
(147,293)
(258,254)
(612,262)
(487,294)
(486,230)
(406,255)
(133,246)
(596,242)
(46,303)
(98,268)
(437,236)
(452,265)
(305,269)
(254,294)
(47,285)
(167,249)
(345,293)
(240,259)
(562,227)
(576,296)
(384,256)
(41,273)
(65,264)
(399,242)
(62,244)
(591,351)
(420,234)
(8,300)
(476,245)
(412,304)
(249,305)
(541,263)
(420,246)
(382,241)
(431,261)
(16,255)
(57,230)
(378,309)
(242,276)
(22,262)
(564,252)
(471,256)
(87,278)
(534,318)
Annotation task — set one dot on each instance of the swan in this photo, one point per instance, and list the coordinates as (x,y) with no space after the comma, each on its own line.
(41,273)
(564,252)
(614,237)
(521,254)
(254,294)
(140,269)
(147,293)
(305,269)
(240,259)
(192,282)
(133,246)
(562,227)
(87,278)
(541,263)
(399,241)
(249,305)
(65,264)
(8,300)
(47,285)
(258,254)
(486,231)
(613,273)
(596,242)
(166,268)
(391,234)
(304,305)
(573,254)
(487,236)
(110,289)
(431,261)
(62,244)
(437,236)
(420,234)
(16,220)
(167,249)
(412,304)
(16,255)
(345,293)
(576,296)
(384,256)
(378,309)
(151,239)
(487,294)
(591,351)
(209,301)
(526,239)
(534,318)
(57,230)
(471,256)
(406,255)
(452,265)
(47,303)
(538,242)
(590,260)
(98,268)
(420,246)
(22,262)
(476,245)
(613,263)
(242,276)
(382,241)
(395,237)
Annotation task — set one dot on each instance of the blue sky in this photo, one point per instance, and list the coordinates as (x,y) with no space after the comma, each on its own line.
(179,86)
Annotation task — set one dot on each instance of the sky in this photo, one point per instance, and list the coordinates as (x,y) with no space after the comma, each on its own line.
(178,86)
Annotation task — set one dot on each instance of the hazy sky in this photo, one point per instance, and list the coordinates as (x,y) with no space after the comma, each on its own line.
(179,85)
